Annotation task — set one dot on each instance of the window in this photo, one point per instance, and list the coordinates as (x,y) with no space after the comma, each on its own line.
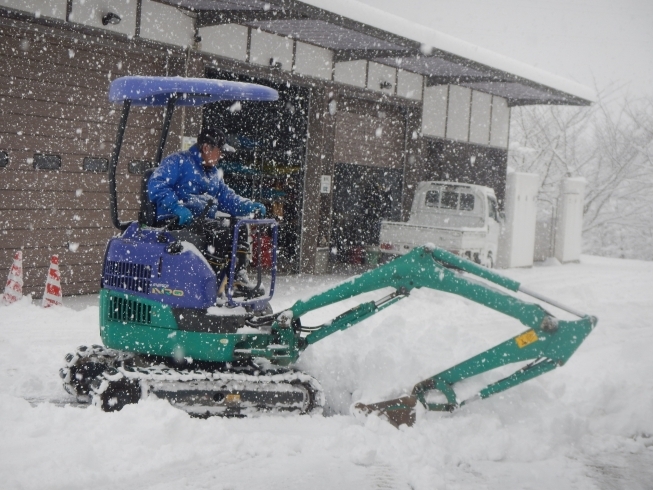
(47,162)
(432,199)
(4,159)
(467,202)
(138,167)
(449,200)
(92,164)
(492,209)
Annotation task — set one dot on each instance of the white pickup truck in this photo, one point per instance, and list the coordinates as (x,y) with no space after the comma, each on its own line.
(461,218)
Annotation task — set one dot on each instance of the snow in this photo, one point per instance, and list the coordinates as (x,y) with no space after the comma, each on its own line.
(218,311)
(190,248)
(587,425)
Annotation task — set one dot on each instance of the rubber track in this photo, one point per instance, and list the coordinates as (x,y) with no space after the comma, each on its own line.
(120,376)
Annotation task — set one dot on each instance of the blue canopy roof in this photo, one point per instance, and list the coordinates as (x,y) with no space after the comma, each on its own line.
(155,91)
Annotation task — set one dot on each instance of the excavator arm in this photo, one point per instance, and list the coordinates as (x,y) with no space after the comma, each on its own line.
(547,343)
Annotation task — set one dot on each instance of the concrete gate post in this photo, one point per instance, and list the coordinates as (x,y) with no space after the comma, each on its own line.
(569,224)
(517,240)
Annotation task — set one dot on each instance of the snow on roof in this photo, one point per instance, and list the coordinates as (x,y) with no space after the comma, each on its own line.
(431,38)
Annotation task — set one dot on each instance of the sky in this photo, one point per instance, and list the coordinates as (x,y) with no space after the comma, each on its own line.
(599,43)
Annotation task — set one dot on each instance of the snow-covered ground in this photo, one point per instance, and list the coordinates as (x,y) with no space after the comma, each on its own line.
(588,425)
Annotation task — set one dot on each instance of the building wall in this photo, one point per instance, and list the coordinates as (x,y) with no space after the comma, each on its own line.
(366,135)
(54,100)
(464,162)
(228,40)
(166,24)
(91,13)
(55,9)
(316,208)
(466,137)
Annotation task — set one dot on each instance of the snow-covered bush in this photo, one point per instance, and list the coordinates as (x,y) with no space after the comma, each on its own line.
(610,144)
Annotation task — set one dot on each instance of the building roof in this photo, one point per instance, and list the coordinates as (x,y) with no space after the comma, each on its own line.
(357,31)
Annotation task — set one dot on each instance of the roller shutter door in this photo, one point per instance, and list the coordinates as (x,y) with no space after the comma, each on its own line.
(53,103)
(367,184)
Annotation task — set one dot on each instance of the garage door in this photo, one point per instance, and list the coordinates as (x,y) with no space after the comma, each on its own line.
(367,184)
(373,137)
(56,137)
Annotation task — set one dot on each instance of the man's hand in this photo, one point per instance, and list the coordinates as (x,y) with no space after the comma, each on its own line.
(258,209)
(185,216)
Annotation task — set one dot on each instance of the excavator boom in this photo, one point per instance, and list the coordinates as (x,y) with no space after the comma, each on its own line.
(548,342)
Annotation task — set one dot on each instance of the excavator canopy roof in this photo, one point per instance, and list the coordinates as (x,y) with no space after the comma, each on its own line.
(156,91)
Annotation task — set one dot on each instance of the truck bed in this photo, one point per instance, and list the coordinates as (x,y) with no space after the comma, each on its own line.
(400,238)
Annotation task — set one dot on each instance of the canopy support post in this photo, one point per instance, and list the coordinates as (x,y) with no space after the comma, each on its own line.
(113,164)
(170,107)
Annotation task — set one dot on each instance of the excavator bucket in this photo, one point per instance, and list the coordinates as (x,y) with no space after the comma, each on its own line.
(398,412)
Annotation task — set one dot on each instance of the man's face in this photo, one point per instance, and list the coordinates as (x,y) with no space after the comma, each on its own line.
(210,154)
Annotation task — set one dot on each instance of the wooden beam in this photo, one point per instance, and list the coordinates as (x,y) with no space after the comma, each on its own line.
(460,79)
(370,54)
(207,18)
(568,100)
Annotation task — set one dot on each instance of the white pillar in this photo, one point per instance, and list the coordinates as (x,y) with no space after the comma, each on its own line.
(517,241)
(569,225)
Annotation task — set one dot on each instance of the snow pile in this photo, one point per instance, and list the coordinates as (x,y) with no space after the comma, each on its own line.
(586,425)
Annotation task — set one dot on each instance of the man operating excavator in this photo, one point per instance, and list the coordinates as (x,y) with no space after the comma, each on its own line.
(186,182)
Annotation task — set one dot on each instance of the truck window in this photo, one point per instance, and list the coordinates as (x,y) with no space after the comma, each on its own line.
(449,200)
(492,209)
(432,199)
(467,202)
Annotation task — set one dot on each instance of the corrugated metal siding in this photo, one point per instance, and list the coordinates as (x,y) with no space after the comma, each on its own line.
(369,135)
(53,100)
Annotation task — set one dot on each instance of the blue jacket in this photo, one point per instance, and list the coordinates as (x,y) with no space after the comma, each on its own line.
(182,180)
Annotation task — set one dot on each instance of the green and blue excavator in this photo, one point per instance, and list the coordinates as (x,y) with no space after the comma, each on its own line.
(168,333)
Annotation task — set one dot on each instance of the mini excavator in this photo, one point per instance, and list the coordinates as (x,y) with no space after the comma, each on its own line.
(166,333)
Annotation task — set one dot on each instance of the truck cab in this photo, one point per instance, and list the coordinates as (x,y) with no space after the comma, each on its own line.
(461,218)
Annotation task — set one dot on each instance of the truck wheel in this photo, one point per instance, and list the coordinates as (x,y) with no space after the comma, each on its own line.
(490,261)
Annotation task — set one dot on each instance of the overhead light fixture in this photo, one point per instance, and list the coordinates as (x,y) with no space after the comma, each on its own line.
(333,107)
(275,64)
(110,18)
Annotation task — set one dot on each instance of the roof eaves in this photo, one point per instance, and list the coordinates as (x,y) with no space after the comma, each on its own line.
(407,33)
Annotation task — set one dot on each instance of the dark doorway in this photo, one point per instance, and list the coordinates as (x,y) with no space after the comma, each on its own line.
(267,165)
(468,164)
(362,197)
(369,147)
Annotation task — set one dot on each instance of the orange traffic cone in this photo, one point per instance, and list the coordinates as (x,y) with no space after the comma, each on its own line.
(52,295)
(14,287)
